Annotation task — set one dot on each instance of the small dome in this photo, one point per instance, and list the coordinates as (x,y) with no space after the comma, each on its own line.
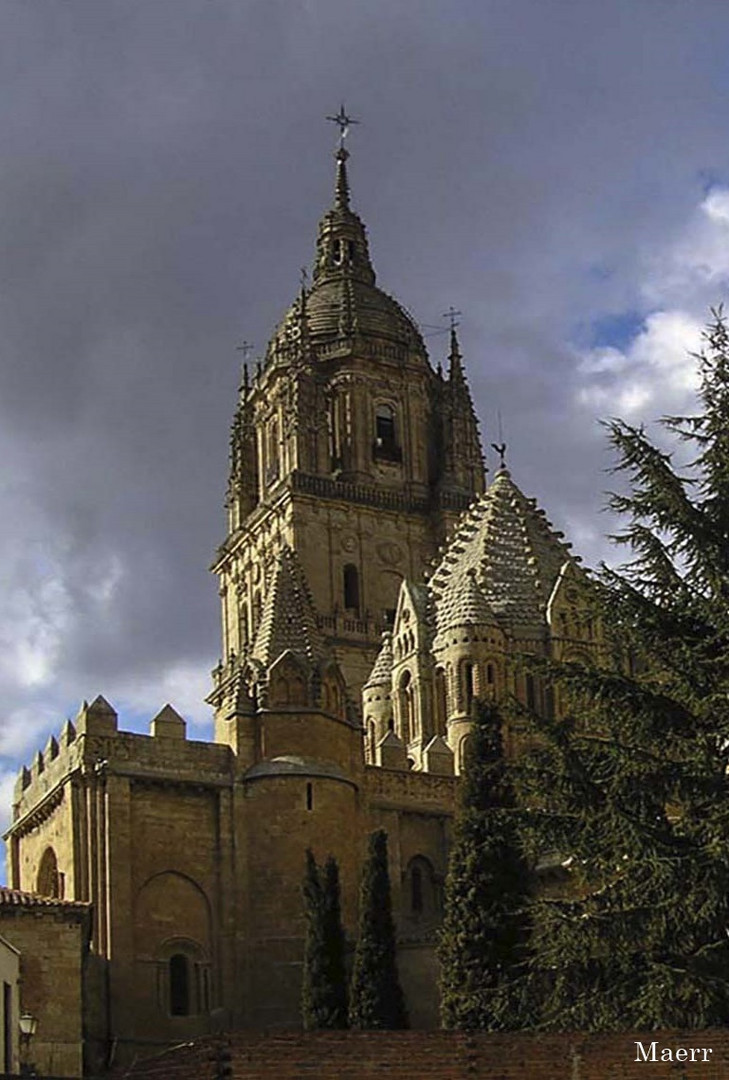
(292,765)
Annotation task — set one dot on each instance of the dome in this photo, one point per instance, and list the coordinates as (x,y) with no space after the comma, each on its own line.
(343,301)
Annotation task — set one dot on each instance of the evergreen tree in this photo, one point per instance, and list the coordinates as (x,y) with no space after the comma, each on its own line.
(632,783)
(485,926)
(324,986)
(376,998)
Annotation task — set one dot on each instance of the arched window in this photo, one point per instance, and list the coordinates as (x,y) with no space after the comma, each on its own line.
(386,438)
(179,985)
(49,880)
(405,701)
(272,452)
(416,890)
(351,587)
(469,686)
(441,702)
(421,891)
(531,692)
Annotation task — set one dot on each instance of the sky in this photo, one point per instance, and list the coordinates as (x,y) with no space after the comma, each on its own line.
(557,170)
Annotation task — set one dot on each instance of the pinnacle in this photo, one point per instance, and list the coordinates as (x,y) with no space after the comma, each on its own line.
(288,621)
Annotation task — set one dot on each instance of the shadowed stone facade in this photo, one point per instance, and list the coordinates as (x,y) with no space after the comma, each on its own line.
(353,465)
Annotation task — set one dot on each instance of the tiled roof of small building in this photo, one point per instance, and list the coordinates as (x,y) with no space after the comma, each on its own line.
(501,564)
(19,899)
(288,620)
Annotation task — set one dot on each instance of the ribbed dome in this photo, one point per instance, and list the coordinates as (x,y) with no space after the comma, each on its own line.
(372,313)
(343,301)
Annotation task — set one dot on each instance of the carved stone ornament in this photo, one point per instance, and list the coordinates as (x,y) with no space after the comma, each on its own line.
(389,552)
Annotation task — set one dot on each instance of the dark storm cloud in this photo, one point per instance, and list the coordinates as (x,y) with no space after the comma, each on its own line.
(162,168)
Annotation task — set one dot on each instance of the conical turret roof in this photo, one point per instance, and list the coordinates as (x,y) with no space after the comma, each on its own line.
(463,603)
(381,674)
(503,562)
(288,620)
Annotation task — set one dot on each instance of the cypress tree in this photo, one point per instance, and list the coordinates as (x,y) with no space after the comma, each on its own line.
(485,928)
(375,998)
(324,986)
(632,781)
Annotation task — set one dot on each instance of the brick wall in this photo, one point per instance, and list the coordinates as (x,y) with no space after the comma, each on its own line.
(442,1056)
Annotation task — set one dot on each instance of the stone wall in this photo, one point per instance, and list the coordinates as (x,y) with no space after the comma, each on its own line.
(444,1056)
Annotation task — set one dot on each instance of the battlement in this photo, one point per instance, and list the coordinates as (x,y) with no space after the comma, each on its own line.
(93,744)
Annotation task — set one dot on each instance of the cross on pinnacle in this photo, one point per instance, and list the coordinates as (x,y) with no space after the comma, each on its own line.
(246,348)
(452,315)
(344,123)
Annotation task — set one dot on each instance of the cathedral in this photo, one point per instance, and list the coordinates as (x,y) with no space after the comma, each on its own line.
(372,585)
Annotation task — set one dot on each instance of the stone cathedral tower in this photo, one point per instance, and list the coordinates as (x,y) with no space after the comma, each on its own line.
(349,448)
(343,698)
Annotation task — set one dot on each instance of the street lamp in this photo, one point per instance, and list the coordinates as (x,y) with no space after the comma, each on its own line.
(28,1025)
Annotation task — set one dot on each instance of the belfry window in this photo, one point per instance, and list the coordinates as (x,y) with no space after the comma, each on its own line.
(386,442)
(351,587)
(272,452)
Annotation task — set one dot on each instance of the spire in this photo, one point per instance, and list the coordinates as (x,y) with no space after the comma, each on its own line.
(456,374)
(341,189)
(342,244)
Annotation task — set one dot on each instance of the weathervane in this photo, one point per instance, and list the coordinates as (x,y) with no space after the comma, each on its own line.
(344,123)
(452,315)
(500,447)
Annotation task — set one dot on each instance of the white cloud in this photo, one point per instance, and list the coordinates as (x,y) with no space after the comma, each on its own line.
(184,685)
(654,373)
(716,205)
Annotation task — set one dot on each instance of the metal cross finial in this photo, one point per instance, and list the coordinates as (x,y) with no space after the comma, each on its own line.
(343,122)
(246,348)
(452,315)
